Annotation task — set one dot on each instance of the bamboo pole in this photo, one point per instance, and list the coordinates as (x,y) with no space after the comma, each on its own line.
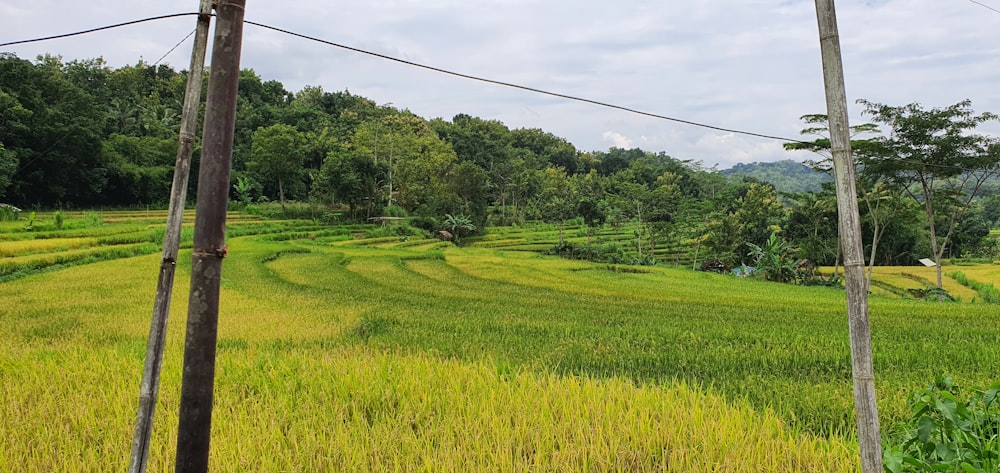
(850,240)
(197,383)
(149,389)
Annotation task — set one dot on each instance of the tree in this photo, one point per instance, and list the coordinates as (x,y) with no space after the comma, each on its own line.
(8,165)
(812,226)
(876,194)
(418,164)
(458,225)
(556,201)
(352,178)
(470,183)
(55,131)
(760,213)
(277,156)
(937,159)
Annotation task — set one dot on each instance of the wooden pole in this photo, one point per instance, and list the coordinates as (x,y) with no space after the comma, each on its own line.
(197,382)
(149,389)
(850,240)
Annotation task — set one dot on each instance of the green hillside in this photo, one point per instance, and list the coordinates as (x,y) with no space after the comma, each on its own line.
(786,176)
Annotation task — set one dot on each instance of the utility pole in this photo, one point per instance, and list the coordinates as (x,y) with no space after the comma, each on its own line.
(150,387)
(197,384)
(850,240)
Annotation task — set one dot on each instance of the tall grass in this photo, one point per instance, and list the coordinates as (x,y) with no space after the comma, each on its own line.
(987,291)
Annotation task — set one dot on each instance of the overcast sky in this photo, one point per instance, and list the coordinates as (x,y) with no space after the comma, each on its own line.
(744,64)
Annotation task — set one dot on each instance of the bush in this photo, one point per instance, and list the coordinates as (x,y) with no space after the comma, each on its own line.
(944,433)
(9,213)
(394,211)
(429,224)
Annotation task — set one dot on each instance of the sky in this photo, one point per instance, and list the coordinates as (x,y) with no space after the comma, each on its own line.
(751,65)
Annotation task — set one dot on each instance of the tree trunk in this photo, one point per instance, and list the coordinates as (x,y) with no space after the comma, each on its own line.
(281,195)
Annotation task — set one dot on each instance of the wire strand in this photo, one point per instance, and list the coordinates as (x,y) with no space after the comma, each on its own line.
(457,74)
(179,43)
(984,6)
(522,87)
(100,28)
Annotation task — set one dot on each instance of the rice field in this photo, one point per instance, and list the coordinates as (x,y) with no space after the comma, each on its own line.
(338,352)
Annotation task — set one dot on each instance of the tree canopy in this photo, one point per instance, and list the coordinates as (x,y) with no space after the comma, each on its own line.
(80,134)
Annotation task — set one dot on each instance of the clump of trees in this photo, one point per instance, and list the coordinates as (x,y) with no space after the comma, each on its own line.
(81,134)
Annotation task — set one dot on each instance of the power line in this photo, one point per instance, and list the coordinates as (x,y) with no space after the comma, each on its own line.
(179,43)
(461,75)
(101,28)
(522,87)
(559,95)
(434,69)
(984,6)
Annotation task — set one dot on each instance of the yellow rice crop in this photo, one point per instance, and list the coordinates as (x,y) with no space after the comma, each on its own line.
(10,249)
(70,368)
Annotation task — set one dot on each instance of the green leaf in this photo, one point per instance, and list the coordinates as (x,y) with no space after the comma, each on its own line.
(990,396)
(892,460)
(967,468)
(945,452)
(947,406)
(926,428)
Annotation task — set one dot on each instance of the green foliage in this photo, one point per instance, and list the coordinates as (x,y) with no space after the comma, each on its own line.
(278,156)
(394,211)
(947,433)
(775,260)
(59,219)
(458,225)
(81,134)
(93,219)
(786,176)
(31,222)
(937,158)
(987,291)
(9,213)
(8,159)
(354,179)
(428,224)
(244,188)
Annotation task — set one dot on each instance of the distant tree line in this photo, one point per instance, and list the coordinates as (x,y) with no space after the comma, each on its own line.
(81,134)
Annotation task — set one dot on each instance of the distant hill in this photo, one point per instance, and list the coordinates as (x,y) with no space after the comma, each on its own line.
(786,176)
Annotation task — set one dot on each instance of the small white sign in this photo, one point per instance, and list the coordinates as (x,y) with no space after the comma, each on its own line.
(927,262)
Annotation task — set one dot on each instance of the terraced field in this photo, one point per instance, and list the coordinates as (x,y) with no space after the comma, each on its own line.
(339,352)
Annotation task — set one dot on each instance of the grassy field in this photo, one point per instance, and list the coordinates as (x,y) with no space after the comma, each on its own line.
(376,354)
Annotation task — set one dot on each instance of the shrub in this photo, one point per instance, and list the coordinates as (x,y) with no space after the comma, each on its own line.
(9,213)
(394,211)
(429,224)
(944,433)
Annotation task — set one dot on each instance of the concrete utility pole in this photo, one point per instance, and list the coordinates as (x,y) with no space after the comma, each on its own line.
(197,384)
(149,390)
(850,240)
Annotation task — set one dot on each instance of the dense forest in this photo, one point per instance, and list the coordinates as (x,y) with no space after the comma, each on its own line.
(786,176)
(81,134)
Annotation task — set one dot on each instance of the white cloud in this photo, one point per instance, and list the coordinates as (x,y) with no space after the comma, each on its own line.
(617,140)
(749,65)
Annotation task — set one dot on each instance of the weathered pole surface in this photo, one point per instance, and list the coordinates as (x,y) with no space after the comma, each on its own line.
(198,379)
(850,240)
(150,387)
